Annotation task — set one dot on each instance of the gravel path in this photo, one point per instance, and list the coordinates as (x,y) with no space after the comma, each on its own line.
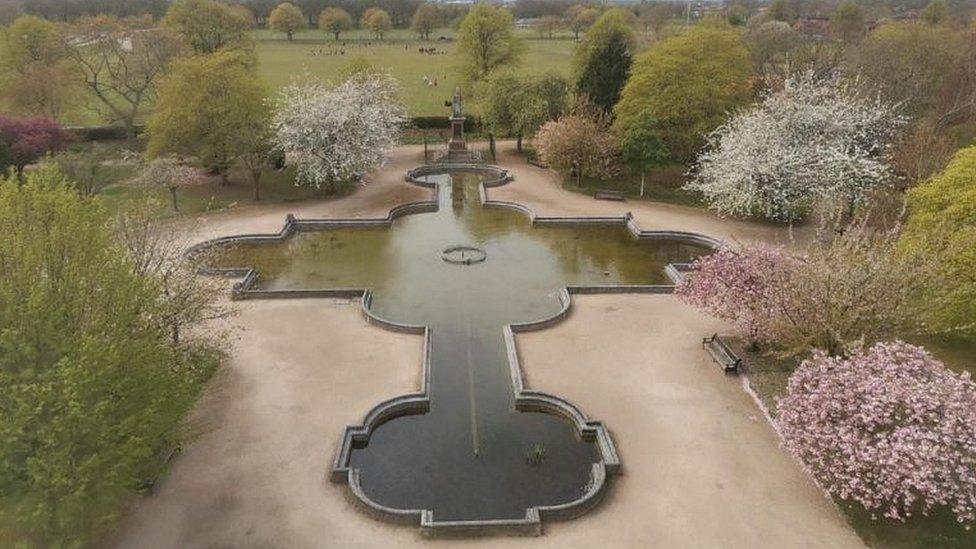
(701,466)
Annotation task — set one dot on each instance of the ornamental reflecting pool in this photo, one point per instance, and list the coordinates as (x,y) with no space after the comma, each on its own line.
(472,456)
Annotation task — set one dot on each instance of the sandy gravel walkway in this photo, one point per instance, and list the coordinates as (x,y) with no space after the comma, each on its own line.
(300,372)
(701,467)
(382,190)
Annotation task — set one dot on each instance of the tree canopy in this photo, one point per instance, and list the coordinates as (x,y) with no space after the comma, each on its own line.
(601,62)
(889,427)
(25,140)
(817,139)
(909,63)
(847,21)
(641,146)
(120,61)
(331,135)
(377,20)
(578,144)
(287,19)
(942,224)
(517,104)
(487,41)
(689,83)
(335,21)
(35,78)
(581,19)
(425,20)
(208,26)
(211,108)
(92,388)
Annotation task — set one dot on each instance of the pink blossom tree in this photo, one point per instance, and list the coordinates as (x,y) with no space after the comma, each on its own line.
(750,286)
(835,296)
(888,427)
(27,139)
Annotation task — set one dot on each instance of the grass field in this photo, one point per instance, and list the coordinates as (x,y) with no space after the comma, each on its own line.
(315,53)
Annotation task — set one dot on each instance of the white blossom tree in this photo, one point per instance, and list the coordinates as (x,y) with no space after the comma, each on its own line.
(332,134)
(818,138)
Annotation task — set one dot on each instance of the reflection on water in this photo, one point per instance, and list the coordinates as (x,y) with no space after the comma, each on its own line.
(472,456)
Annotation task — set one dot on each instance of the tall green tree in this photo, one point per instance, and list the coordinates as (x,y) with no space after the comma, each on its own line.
(487,41)
(120,62)
(91,386)
(36,78)
(847,21)
(212,108)
(376,20)
(936,13)
(581,18)
(601,63)
(287,19)
(942,224)
(208,26)
(642,148)
(334,21)
(909,63)
(689,83)
(425,20)
(518,104)
(780,10)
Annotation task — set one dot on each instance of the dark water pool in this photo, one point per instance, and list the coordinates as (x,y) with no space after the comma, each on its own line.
(472,456)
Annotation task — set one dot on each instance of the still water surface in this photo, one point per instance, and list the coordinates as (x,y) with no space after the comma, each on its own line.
(468,458)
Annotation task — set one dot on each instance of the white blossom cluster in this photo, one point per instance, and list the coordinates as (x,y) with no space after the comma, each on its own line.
(817,138)
(331,134)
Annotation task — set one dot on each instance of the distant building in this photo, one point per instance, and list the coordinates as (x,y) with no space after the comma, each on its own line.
(816,27)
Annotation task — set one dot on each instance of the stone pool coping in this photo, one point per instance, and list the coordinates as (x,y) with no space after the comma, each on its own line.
(419,402)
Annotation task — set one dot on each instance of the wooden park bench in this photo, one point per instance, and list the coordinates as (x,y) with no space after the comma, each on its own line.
(609,194)
(722,354)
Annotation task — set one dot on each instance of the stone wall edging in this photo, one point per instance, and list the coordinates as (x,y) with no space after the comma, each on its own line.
(419,402)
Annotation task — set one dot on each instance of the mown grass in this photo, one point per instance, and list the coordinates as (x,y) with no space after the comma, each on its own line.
(660,185)
(276,187)
(316,54)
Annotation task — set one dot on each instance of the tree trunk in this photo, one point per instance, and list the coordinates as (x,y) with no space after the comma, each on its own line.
(176,205)
(336,34)
(289,35)
(256,180)
(518,143)
(642,185)
(129,124)
(224,181)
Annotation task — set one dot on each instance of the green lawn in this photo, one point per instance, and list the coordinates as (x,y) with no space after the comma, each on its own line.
(281,61)
(317,54)
(276,187)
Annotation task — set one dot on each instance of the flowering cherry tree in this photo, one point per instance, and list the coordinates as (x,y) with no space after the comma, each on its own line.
(171,173)
(834,296)
(888,427)
(817,138)
(750,286)
(334,134)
